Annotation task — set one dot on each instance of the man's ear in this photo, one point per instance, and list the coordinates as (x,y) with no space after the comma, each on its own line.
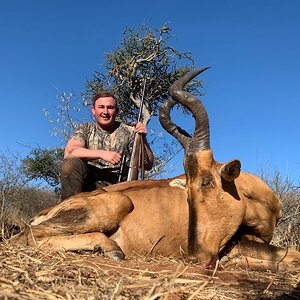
(231,170)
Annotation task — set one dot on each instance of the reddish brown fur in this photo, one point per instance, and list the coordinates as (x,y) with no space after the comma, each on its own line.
(151,217)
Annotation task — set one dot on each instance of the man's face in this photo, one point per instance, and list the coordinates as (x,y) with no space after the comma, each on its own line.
(105,112)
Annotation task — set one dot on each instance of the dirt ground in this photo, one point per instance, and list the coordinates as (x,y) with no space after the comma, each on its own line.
(27,273)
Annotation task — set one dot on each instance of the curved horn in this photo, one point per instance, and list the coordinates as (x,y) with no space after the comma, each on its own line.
(201,137)
(165,120)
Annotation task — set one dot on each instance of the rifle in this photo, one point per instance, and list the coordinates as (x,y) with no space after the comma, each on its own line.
(137,148)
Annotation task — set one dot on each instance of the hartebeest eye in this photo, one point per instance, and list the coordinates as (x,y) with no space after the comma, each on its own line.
(206,181)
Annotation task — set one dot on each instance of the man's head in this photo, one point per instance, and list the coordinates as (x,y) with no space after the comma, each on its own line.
(105,110)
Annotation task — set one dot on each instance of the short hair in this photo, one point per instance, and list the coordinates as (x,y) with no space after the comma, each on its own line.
(104,94)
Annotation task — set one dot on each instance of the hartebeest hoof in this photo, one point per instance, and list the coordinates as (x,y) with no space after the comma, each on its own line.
(116,255)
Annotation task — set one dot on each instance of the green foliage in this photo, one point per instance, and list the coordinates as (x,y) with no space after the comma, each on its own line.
(44,164)
(143,53)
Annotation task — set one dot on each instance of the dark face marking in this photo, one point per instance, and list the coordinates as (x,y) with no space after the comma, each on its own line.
(191,166)
(193,246)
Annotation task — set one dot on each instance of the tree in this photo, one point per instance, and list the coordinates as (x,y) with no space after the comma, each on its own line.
(144,53)
(43,164)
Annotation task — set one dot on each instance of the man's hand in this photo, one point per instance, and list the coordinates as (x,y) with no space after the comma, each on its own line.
(140,128)
(111,156)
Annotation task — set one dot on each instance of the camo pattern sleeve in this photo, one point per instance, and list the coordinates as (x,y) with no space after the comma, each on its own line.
(82,133)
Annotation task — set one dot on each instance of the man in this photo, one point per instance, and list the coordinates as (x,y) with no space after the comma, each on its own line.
(92,157)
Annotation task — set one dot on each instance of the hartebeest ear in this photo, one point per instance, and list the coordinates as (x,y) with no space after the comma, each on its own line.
(231,170)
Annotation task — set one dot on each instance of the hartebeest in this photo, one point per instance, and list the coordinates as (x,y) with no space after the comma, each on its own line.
(197,214)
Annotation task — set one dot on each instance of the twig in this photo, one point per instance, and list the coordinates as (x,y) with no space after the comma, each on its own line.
(155,244)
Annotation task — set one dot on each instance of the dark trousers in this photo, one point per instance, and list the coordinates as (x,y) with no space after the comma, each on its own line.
(78,176)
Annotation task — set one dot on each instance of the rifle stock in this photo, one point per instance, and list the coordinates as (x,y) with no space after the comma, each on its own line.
(135,159)
(133,173)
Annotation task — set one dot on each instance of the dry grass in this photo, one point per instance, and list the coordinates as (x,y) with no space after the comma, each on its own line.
(28,273)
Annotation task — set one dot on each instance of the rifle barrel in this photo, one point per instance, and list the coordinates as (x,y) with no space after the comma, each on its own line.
(142,101)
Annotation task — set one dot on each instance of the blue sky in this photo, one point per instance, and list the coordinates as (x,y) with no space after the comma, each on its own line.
(252,89)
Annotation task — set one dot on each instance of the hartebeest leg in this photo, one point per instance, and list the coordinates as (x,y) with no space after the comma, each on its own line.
(79,223)
(83,242)
(81,213)
(251,253)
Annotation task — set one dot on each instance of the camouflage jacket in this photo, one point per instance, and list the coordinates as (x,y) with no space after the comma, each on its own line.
(119,140)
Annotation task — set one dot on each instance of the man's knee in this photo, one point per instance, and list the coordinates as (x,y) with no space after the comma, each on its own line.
(72,165)
(73,174)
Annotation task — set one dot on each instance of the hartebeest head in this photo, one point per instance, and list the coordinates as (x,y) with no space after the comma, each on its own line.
(215,208)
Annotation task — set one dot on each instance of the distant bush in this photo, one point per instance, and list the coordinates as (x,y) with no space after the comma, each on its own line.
(19,198)
(287,232)
(18,209)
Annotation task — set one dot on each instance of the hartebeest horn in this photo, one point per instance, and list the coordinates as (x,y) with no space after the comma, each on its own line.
(201,138)
(165,120)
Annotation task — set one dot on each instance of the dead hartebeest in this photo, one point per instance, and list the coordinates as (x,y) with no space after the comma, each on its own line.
(199,214)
